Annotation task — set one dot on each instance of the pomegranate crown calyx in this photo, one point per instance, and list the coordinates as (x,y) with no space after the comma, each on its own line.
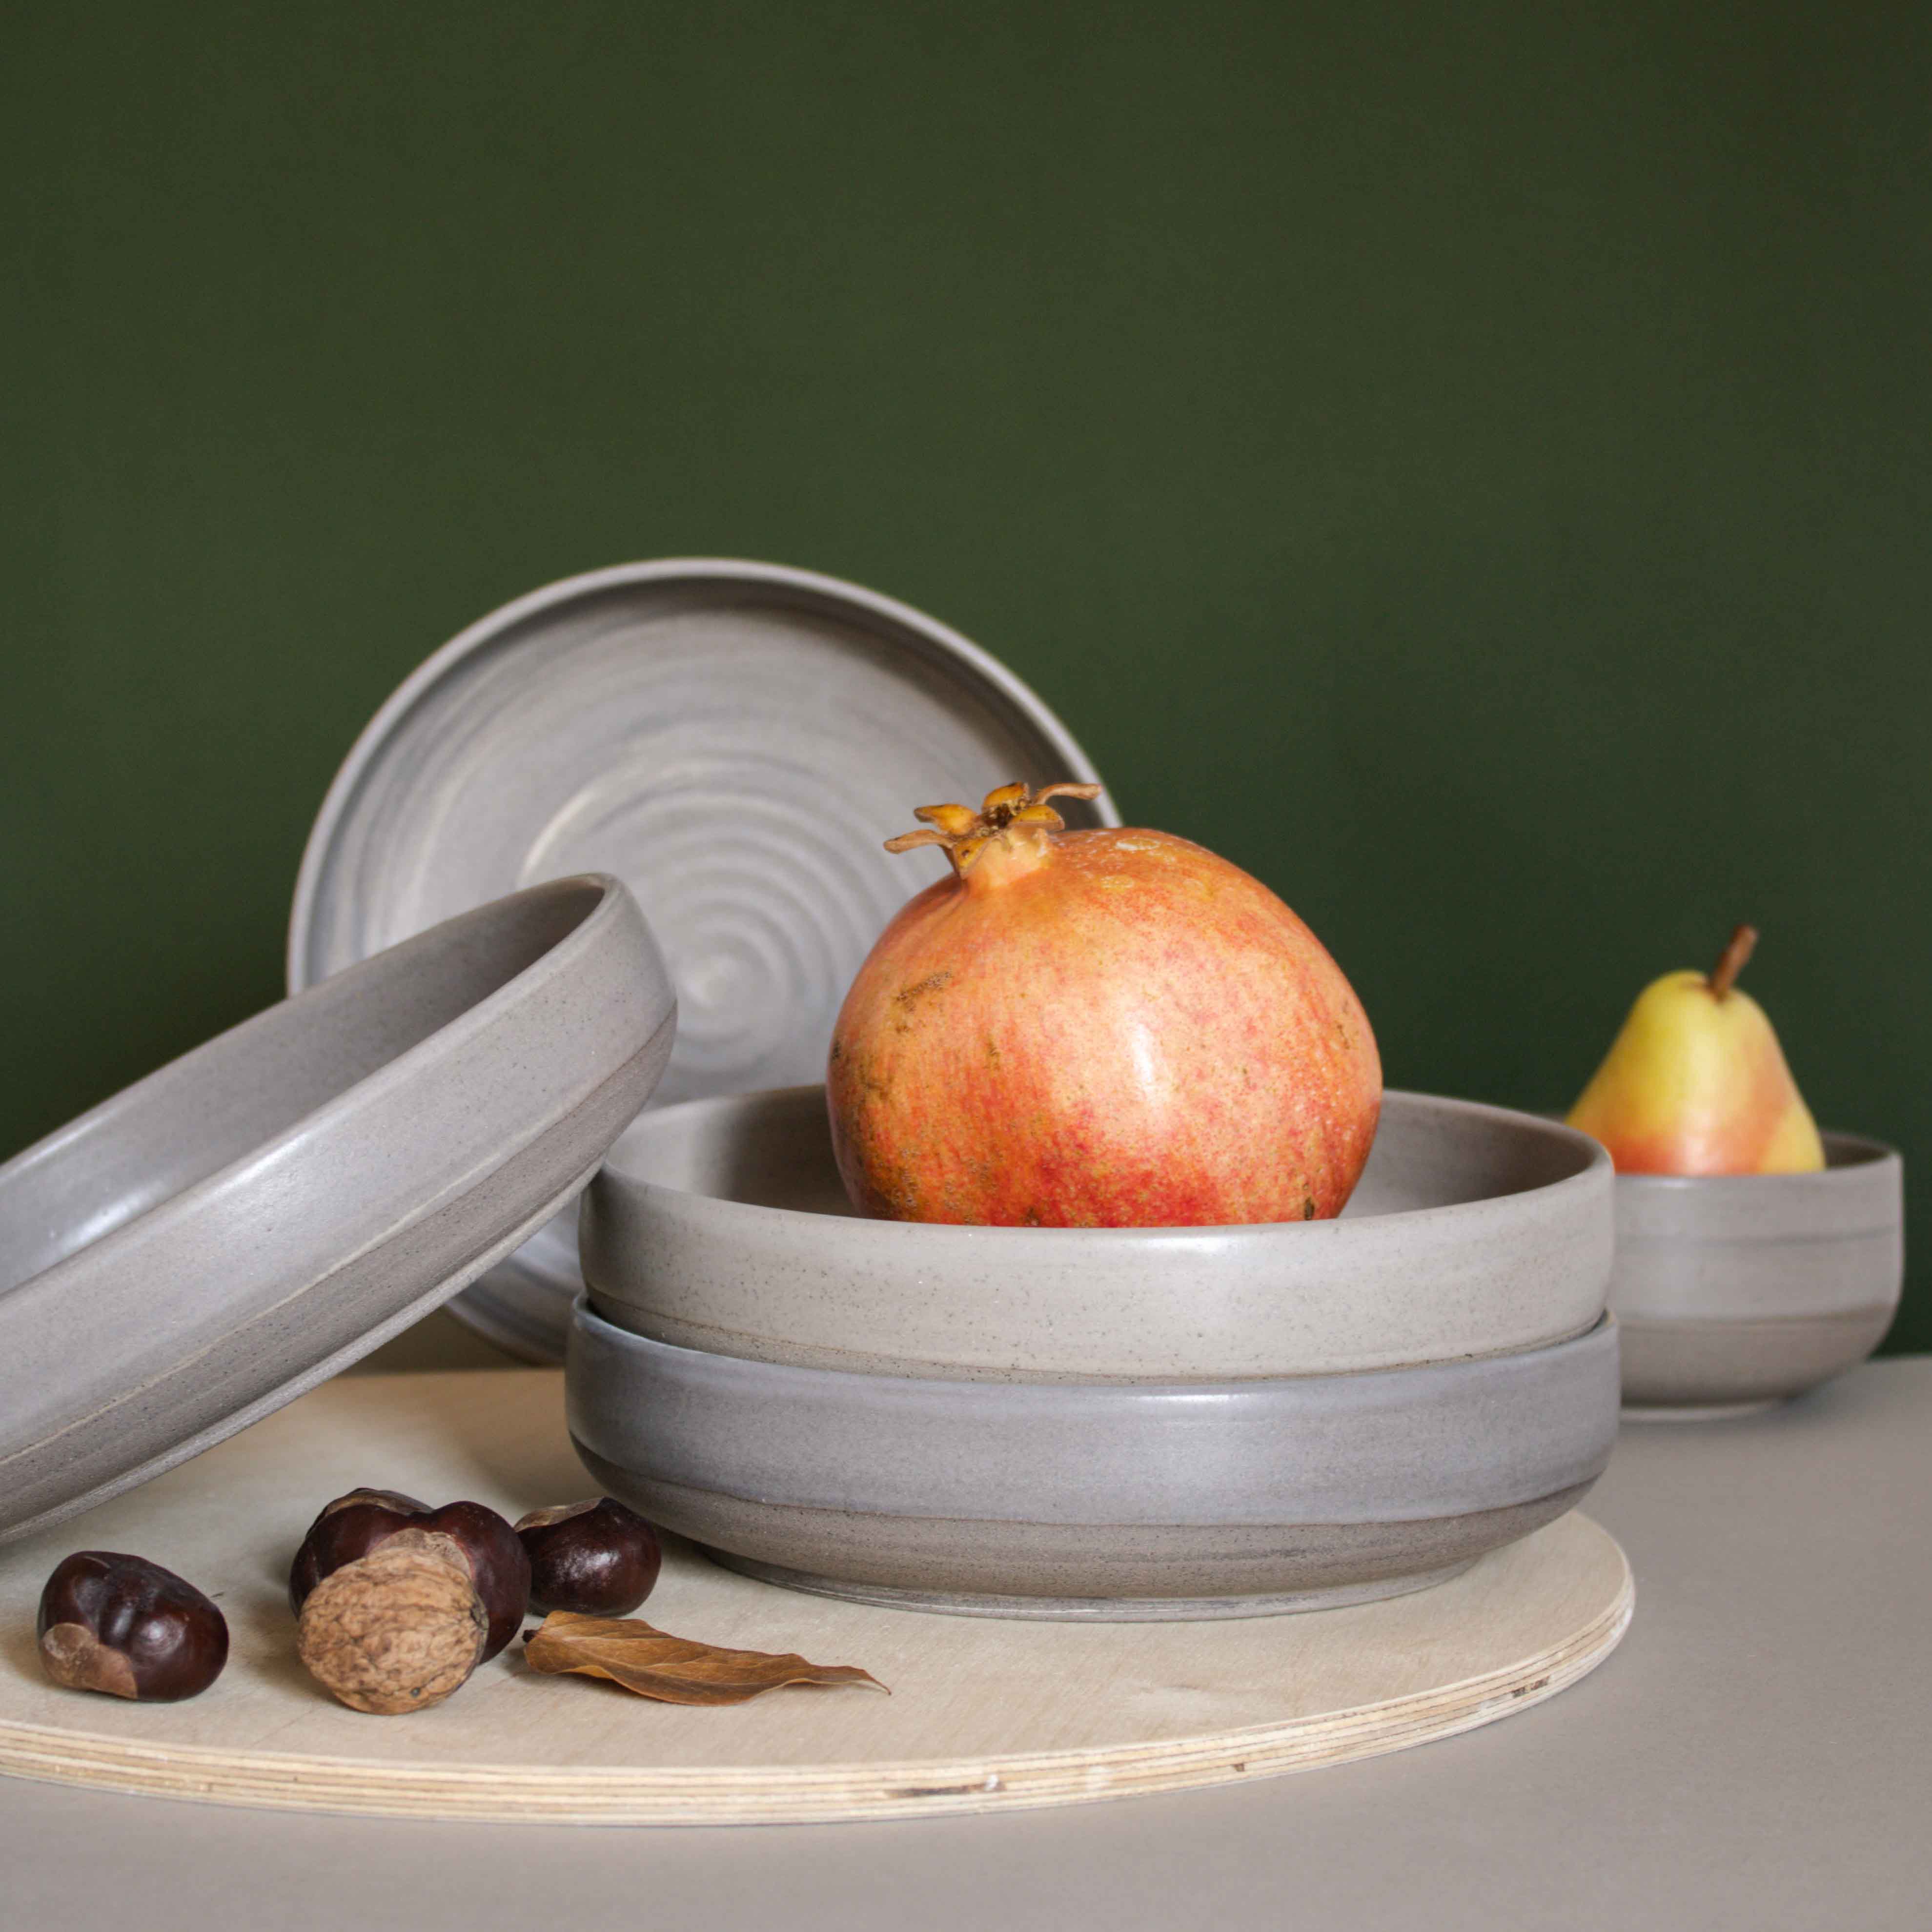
(1008,812)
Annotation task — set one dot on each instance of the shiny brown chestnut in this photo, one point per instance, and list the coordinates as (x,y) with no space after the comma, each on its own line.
(596,1558)
(350,1527)
(354,1525)
(127,1627)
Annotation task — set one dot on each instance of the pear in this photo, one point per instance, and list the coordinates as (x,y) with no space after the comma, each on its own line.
(1696,1083)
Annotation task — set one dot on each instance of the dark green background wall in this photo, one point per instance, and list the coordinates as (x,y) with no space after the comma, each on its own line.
(1468,464)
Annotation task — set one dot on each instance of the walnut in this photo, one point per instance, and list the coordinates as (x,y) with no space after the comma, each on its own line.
(397,1630)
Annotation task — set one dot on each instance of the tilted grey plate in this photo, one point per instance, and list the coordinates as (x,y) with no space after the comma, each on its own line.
(208,1244)
(736,742)
(1736,1290)
(1084,1500)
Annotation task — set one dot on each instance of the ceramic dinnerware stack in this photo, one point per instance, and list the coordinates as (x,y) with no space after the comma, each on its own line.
(1107,1424)
(1138,1422)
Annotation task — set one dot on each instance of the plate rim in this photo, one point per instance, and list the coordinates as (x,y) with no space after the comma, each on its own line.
(371,741)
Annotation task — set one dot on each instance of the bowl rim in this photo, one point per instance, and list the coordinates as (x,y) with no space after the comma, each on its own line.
(1179,1395)
(332,1115)
(1593,1173)
(1861,1157)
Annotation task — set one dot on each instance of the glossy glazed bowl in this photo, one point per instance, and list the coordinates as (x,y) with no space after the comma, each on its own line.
(204,1246)
(1735,1291)
(1187,1500)
(721,1224)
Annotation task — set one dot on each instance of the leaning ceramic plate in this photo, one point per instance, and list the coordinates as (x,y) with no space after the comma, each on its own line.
(236,1227)
(735,742)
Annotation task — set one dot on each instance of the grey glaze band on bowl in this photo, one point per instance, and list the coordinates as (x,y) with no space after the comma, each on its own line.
(1079,1502)
(242,1223)
(1387,1447)
(720,1225)
(1735,1290)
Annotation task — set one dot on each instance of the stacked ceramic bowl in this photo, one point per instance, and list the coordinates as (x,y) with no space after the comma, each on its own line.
(1112,1423)
(1736,1290)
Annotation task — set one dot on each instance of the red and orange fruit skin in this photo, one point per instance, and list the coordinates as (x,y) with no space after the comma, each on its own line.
(1111,1028)
(1696,1084)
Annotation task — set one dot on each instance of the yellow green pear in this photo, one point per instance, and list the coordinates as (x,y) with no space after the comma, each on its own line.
(1696,1083)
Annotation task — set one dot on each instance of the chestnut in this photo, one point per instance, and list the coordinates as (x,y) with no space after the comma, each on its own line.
(126,1626)
(355,1525)
(596,1558)
(350,1527)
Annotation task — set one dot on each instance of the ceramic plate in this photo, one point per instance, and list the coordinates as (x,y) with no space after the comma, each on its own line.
(735,741)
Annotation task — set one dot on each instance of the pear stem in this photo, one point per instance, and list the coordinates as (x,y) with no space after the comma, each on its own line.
(1731,961)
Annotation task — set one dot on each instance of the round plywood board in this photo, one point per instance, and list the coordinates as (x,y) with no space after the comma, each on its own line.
(983,1716)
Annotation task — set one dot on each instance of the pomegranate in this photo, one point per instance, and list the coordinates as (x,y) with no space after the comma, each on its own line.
(1108,1029)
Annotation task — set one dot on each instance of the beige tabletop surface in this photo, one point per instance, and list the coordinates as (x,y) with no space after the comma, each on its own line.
(1757,1754)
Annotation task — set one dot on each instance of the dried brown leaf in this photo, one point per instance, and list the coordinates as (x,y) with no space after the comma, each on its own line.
(672,1669)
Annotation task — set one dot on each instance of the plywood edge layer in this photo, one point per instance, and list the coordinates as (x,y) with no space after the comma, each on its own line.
(803,1794)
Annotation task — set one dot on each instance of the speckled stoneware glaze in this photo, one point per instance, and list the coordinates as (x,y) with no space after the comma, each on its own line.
(204,1246)
(736,742)
(1110,1503)
(1735,1291)
(721,1224)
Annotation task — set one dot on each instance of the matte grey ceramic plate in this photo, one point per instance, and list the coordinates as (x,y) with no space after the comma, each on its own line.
(202,1248)
(721,1224)
(736,742)
(1113,1503)
(1737,1290)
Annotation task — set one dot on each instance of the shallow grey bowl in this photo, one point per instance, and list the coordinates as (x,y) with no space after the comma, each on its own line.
(1735,1290)
(206,1245)
(1109,1503)
(721,1224)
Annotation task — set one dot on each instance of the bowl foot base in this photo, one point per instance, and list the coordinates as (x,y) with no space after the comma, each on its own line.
(1088,1609)
(1708,1411)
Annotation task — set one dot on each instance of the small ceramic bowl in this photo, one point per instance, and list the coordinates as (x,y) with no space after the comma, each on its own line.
(1186,1500)
(1736,1290)
(204,1246)
(720,1225)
